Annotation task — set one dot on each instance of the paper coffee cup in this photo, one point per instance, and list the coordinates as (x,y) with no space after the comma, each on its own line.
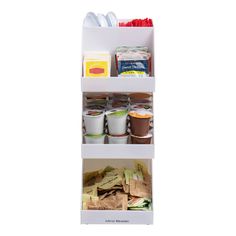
(140,122)
(141,140)
(94,121)
(117,121)
(94,139)
(118,139)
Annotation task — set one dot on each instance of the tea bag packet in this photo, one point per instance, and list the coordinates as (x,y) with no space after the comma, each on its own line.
(93,205)
(90,177)
(88,198)
(142,204)
(136,203)
(97,64)
(141,167)
(90,190)
(124,198)
(107,169)
(148,179)
(128,175)
(103,191)
(140,188)
(113,202)
(109,182)
(133,61)
(125,186)
(115,172)
(106,194)
(132,174)
(112,180)
(138,175)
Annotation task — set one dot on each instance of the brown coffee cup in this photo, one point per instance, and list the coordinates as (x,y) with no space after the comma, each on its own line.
(141,140)
(140,122)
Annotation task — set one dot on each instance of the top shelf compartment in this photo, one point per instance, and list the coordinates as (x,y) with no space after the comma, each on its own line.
(108,39)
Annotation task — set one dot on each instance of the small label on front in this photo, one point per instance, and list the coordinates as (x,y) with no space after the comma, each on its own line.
(117,221)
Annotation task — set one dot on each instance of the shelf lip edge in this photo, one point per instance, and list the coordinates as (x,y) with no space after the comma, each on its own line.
(116,217)
(125,151)
(118,84)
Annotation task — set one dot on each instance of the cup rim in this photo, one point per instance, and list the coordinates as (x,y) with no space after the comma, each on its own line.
(86,115)
(138,104)
(118,136)
(141,112)
(94,135)
(109,112)
(149,135)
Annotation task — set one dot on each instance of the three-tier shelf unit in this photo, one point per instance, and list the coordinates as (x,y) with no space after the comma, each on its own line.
(95,156)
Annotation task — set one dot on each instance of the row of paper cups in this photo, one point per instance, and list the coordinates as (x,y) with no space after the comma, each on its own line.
(94,122)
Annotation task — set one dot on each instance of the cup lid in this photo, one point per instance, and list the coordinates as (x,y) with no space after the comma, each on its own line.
(141,106)
(93,113)
(141,113)
(117,112)
(95,107)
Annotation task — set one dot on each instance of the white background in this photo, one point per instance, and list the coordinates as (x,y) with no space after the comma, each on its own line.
(40,162)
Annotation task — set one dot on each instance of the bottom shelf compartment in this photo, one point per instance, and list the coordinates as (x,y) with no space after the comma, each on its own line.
(117,191)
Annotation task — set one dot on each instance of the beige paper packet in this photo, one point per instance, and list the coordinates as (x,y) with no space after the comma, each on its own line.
(109,181)
(90,190)
(125,186)
(140,188)
(124,199)
(107,169)
(106,194)
(140,166)
(113,202)
(90,177)
(88,198)
(128,173)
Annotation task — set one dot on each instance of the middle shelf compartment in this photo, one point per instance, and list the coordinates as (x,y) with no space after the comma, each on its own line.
(118,125)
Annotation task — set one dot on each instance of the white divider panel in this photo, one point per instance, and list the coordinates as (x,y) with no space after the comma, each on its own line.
(134,151)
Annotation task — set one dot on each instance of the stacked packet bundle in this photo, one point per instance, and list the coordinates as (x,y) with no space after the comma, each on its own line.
(137,23)
(133,61)
(117,189)
(97,64)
